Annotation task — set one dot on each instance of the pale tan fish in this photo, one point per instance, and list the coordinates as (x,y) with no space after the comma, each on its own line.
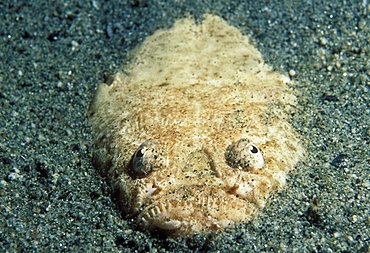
(193,134)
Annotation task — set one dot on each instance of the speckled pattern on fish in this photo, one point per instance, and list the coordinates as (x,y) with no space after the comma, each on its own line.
(193,133)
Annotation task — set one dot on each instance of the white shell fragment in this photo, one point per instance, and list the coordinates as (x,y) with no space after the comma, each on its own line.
(193,133)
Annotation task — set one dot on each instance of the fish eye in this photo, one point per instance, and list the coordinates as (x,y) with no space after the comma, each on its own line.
(254,149)
(244,155)
(147,158)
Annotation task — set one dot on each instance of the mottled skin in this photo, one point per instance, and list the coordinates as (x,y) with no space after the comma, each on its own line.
(193,134)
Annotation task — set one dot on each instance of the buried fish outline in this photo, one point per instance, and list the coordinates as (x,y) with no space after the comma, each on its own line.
(193,134)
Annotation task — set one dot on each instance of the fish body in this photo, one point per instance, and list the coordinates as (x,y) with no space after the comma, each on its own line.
(193,134)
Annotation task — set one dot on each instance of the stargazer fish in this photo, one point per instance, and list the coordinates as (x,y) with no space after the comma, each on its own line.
(193,133)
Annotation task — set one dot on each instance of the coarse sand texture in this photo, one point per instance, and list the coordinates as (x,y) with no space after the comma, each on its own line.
(193,134)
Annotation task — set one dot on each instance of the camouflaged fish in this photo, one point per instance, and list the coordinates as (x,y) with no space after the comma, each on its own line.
(193,134)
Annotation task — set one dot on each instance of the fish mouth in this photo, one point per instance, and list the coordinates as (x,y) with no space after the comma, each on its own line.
(191,210)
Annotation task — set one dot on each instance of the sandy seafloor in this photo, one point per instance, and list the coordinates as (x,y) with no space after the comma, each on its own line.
(55,53)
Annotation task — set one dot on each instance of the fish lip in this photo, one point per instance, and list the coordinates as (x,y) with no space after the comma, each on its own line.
(207,211)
